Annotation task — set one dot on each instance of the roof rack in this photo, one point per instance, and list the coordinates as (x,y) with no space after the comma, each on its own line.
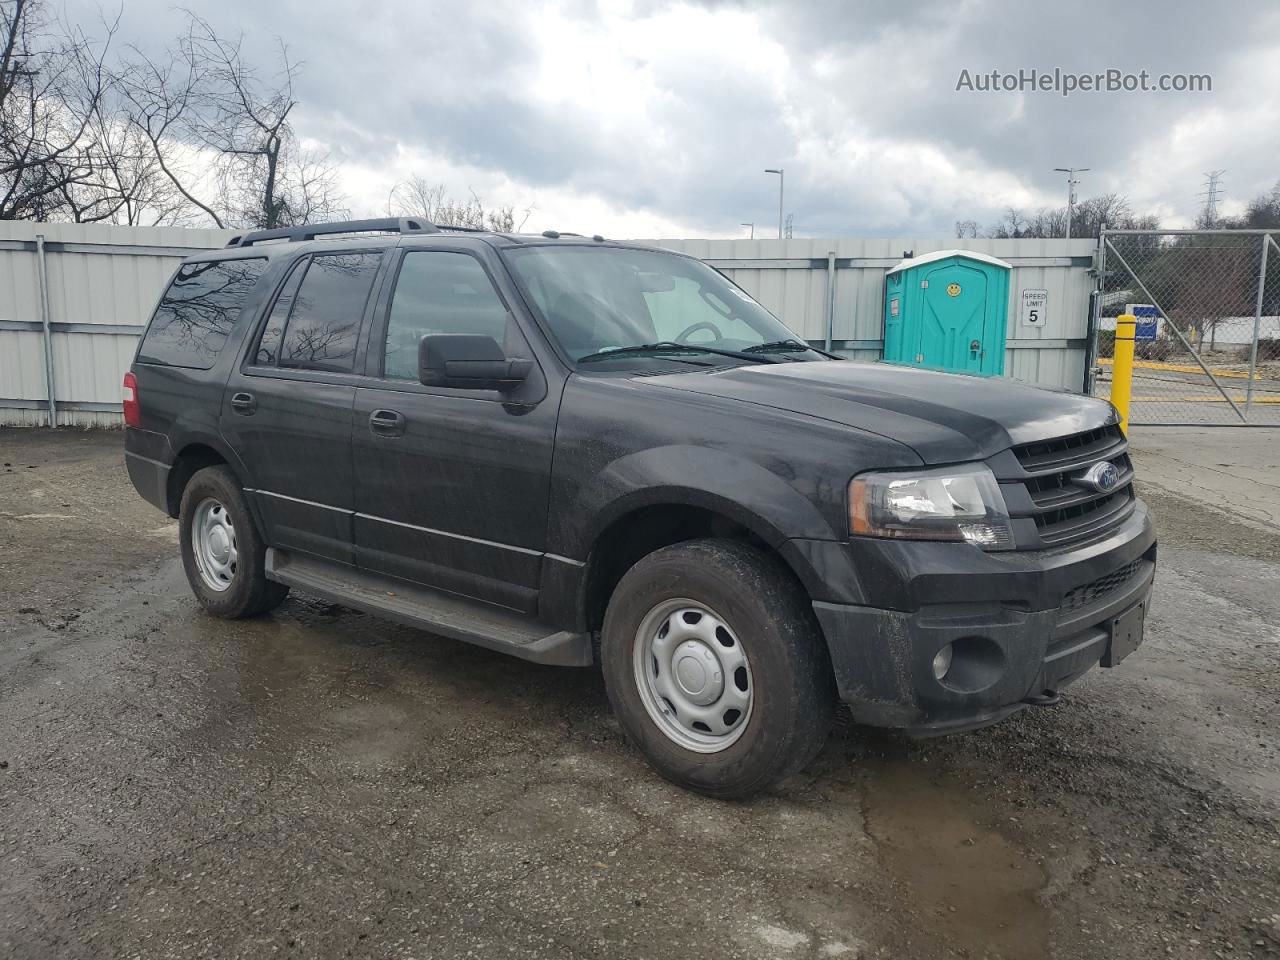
(310,231)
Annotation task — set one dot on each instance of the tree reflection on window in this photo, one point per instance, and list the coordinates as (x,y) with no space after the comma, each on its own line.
(198,312)
(324,319)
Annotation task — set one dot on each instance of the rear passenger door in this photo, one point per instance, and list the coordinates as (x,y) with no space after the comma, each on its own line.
(451,485)
(287,409)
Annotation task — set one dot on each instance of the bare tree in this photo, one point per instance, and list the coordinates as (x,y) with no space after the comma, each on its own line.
(52,85)
(1089,216)
(67,152)
(223,136)
(127,185)
(1263,211)
(419,197)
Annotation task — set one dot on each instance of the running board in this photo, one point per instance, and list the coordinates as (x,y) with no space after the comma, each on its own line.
(447,614)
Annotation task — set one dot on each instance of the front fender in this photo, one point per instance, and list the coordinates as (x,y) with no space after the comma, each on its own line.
(741,489)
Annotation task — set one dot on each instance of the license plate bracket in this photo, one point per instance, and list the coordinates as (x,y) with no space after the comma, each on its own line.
(1126,634)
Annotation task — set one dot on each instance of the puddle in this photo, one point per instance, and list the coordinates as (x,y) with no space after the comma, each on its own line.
(974,892)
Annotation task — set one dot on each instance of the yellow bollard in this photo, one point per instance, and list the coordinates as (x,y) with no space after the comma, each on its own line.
(1122,368)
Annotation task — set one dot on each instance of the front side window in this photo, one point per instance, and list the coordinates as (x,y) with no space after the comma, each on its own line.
(324,319)
(198,312)
(596,300)
(439,293)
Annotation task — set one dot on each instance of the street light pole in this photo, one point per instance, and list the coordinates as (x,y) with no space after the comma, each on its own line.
(753,229)
(1072,182)
(781,181)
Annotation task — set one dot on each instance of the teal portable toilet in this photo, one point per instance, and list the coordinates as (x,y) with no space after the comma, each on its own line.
(948,310)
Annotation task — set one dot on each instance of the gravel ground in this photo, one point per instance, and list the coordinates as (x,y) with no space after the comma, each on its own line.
(322,784)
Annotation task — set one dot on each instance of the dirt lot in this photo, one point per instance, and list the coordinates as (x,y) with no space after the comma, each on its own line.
(322,784)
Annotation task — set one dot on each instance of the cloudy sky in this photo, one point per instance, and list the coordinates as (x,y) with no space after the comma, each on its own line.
(648,118)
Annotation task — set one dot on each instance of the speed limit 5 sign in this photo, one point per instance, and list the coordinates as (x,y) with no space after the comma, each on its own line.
(1035,308)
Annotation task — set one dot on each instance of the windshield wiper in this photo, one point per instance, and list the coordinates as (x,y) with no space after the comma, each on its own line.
(787,346)
(671,346)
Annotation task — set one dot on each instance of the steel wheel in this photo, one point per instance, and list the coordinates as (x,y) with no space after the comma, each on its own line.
(213,542)
(693,675)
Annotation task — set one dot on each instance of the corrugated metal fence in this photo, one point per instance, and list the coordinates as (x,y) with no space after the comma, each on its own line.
(74,298)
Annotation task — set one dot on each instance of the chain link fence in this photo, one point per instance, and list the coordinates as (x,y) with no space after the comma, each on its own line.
(1208,306)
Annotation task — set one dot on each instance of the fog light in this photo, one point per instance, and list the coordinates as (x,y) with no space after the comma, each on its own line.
(942,662)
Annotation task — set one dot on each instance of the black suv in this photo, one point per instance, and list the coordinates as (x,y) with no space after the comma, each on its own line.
(578,452)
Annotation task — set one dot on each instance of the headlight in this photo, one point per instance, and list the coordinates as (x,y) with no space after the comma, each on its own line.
(951,503)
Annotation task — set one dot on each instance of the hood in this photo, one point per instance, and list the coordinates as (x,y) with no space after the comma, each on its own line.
(944,417)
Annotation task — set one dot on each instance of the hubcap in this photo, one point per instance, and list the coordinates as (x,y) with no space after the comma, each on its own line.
(213,541)
(693,675)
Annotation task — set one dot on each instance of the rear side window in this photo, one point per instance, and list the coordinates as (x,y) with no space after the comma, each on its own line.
(198,312)
(324,319)
(268,351)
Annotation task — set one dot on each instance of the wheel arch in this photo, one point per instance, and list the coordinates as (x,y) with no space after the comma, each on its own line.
(194,454)
(634,506)
(645,524)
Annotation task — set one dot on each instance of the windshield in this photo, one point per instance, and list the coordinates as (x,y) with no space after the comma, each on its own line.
(597,299)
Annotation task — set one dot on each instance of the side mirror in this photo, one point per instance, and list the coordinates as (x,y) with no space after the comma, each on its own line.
(467,362)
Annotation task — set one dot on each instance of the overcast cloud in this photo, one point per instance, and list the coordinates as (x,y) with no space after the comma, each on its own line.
(654,118)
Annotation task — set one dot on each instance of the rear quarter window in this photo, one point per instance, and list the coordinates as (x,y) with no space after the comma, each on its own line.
(198,312)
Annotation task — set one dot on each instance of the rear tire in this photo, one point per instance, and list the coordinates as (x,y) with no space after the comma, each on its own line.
(714,665)
(222,552)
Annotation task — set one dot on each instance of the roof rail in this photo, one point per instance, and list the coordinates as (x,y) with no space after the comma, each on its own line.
(310,231)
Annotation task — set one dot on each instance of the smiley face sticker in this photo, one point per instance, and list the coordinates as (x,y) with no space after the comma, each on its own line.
(953,289)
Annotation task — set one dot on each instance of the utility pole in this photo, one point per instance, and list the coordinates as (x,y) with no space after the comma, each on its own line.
(1212,194)
(753,229)
(781,180)
(1072,183)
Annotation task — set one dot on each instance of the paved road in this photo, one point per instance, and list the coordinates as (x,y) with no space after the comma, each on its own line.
(321,784)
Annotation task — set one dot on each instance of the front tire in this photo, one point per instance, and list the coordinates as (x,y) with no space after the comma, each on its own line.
(715,668)
(222,552)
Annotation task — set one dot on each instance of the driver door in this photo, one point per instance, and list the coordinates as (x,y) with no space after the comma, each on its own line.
(451,485)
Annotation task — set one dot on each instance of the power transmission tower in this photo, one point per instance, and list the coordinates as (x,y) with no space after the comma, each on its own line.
(791,222)
(1211,195)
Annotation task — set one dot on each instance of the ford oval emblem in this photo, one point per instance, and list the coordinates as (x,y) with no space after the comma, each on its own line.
(1103,476)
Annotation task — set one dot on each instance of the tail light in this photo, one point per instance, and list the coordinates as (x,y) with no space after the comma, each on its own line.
(132,413)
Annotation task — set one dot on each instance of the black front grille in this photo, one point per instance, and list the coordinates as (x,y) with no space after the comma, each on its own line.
(1101,588)
(1081,520)
(1042,485)
(1087,446)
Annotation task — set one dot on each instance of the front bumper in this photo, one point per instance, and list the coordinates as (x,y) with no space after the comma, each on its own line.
(1021,623)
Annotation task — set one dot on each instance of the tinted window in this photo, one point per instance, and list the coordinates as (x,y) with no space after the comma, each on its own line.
(439,293)
(198,311)
(324,322)
(268,351)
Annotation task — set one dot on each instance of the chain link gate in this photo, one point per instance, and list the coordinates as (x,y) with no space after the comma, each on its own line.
(1208,304)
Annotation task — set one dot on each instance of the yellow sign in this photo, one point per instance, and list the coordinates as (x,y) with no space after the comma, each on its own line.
(953,289)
